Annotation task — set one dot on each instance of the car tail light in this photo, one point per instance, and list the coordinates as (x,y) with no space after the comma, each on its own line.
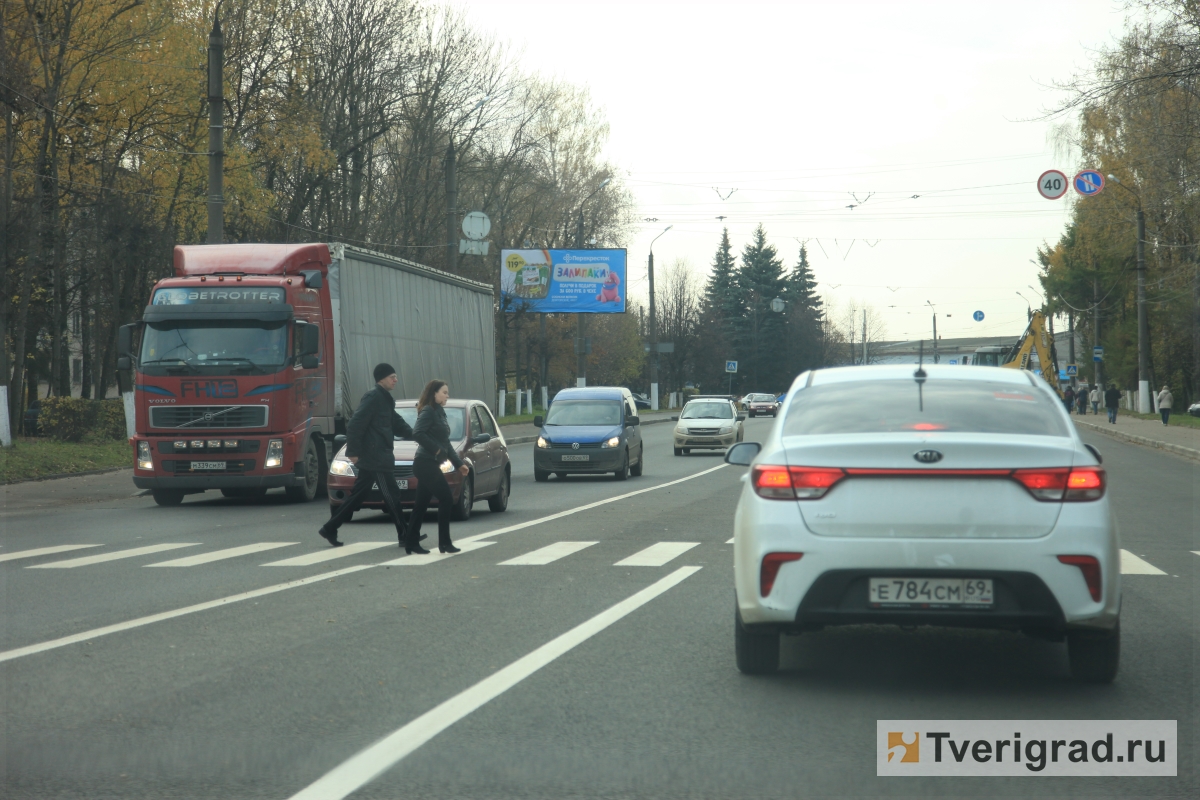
(1062,484)
(795,483)
(770,569)
(1090,567)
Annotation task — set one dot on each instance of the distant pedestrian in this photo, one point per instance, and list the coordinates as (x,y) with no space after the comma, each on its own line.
(1094,398)
(1112,400)
(432,433)
(369,436)
(1081,400)
(1068,398)
(1164,403)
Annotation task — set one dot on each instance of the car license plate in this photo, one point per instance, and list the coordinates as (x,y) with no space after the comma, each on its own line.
(576,458)
(208,465)
(401,484)
(932,592)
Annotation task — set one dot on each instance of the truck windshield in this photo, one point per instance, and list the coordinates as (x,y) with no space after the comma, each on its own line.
(227,346)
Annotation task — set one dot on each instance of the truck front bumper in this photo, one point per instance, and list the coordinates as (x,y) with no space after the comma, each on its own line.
(219,481)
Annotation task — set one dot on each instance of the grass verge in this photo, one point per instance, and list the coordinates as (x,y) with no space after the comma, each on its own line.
(29,459)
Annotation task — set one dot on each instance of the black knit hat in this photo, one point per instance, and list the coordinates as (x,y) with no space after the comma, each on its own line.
(382,371)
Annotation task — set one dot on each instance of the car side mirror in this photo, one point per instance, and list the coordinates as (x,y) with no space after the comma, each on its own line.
(674,419)
(632,422)
(742,453)
(481,438)
(539,421)
(1094,452)
(339,441)
(741,415)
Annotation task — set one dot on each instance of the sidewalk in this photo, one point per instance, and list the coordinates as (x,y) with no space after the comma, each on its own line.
(1177,439)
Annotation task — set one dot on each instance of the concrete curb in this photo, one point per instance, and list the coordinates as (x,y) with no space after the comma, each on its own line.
(64,475)
(528,439)
(1178,450)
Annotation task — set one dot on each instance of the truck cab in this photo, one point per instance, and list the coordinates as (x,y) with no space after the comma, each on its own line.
(229,367)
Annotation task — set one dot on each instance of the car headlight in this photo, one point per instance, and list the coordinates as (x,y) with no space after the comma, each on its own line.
(542,443)
(680,430)
(274,454)
(613,442)
(144,460)
(446,466)
(342,466)
(726,430)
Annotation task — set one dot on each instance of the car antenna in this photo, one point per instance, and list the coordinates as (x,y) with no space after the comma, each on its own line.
(920,375)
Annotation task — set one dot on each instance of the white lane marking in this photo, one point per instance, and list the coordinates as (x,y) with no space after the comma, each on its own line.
(1197,552)
(9,655)
(360,769)
(219,555)
(329,554)
(134,553)
(596,504)
(45,551)
(1132,565)
(656,554)
(730,541)
(432,557)
(547,554)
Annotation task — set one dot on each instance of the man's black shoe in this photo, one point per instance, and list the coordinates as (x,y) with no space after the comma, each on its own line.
(330,537)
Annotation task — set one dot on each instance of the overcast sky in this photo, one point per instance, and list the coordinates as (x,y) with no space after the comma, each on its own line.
(801,109)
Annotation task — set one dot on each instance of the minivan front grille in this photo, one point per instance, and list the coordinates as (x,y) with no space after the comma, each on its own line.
(208,417)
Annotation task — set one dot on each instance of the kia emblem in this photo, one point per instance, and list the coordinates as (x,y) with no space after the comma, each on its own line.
(575,446)
(927,456)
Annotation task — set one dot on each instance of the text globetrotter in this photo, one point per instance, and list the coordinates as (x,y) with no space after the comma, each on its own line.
(1052,184)
(1089,182)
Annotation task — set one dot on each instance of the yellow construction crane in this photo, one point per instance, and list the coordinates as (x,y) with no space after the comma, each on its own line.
(1034,340)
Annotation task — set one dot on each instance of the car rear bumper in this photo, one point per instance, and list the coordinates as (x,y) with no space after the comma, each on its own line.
(600,460)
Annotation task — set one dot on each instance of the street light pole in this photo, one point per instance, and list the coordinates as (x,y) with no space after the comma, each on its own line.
(654,327)
(216,134)
(1143,323)
(935,350)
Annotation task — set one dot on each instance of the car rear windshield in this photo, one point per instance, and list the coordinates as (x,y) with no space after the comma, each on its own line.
(953,406)
(701,410)
(584,412)
(457,418)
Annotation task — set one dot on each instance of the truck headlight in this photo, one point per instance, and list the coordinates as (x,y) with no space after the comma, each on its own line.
(726,430)
(342,466)
(274,454)
(144,460)
(613,442)
(542,443)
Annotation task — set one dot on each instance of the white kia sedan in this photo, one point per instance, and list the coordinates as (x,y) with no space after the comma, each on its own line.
(937,496)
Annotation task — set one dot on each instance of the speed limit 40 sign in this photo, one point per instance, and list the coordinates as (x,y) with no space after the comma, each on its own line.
(1053,184)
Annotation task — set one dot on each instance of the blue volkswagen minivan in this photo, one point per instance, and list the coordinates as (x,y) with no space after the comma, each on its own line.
(589,431)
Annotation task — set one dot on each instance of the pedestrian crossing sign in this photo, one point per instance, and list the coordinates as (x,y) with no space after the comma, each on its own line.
(1072,370)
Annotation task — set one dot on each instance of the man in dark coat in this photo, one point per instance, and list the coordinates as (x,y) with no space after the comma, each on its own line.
(1112,401)
(369,447)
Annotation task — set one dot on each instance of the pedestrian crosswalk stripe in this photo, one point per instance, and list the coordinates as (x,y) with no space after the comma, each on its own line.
(433,557)
(220,555)
(44,551)
(134,553)
(657,554)
(1197,552)
(330,553)
(1132,565)
(730,541)
(547,554)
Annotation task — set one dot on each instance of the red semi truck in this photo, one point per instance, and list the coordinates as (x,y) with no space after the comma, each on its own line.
(250,359)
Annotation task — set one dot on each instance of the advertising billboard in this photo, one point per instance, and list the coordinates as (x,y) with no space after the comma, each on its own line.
(564,281)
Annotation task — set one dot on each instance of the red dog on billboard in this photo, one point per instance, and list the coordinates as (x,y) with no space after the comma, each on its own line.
(609,293)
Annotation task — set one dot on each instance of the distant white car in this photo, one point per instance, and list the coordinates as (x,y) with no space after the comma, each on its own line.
(1194,409)
(947,497)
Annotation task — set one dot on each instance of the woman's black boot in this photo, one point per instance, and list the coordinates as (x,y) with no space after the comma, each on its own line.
(448,547)
(413,545)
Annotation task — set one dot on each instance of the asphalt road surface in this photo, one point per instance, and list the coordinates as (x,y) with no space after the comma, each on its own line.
(580,646)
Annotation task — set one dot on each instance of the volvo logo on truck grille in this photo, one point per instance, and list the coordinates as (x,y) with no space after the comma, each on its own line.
(927,456)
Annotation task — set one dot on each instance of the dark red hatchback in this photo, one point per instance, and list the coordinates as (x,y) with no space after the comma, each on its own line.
(477,437)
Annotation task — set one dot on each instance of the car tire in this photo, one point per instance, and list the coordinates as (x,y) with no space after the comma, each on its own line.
(1094,656)
(466,499)
(307,491)
(678,451)
(541,475)
(167,497)
(757,653)
(750,414)
(623,473)
(685,451)
(636,469)
(499,501)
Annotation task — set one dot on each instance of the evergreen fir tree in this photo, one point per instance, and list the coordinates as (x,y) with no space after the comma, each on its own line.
(761,331)
(805,316)
(719,289)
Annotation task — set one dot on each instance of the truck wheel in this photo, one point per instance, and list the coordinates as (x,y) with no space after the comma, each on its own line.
(541,475)
(466,499)
(499,501)
(757,653)
(1094,655)
(167,497)
(307,491)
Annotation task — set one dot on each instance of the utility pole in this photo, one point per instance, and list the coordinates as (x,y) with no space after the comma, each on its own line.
(216,134)
(935,350)
(1143,325)
(580,340)
(864,341)
(1071,344)
(654,327)
(451,210)
(1097,366)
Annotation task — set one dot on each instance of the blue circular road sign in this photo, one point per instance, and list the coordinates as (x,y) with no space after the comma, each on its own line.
(1089,182)
(978,315)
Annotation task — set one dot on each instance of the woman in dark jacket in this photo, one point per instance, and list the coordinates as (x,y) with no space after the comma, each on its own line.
(432,433)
